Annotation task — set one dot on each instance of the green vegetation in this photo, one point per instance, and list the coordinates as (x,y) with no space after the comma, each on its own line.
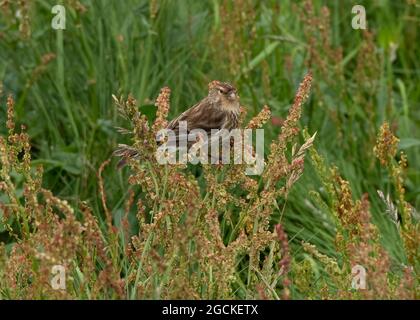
(365,93)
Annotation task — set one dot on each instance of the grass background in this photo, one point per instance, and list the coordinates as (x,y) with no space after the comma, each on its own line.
(117,47)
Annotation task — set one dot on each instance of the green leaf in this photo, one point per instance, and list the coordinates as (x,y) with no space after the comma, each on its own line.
(149,110)
(406,143)
(261,56)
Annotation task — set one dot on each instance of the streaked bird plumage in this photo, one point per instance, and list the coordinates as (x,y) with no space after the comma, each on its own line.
(220,109)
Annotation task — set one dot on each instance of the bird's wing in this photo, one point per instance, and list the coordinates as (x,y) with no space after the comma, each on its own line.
(185,116)
(204,115)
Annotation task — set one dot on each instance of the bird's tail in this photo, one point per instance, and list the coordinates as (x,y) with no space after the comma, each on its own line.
(125,152)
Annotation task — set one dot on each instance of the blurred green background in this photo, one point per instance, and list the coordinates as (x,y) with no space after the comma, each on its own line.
(63,81)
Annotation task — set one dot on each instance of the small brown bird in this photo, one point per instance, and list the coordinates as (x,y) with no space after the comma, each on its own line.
(219,110)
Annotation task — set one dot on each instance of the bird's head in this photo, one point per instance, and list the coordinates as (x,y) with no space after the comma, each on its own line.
(225,93)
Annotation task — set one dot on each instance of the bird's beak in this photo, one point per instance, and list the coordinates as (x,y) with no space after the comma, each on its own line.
(232,95)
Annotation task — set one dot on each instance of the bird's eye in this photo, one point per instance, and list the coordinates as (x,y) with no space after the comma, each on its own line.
(221,91)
